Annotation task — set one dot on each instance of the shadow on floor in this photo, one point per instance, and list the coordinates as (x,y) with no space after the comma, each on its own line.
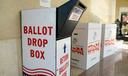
(114,65)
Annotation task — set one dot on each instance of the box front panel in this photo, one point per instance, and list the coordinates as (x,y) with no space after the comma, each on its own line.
(94,44)
(109,40)
(38,41)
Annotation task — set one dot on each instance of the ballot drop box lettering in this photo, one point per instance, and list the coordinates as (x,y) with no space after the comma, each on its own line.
(86,41)
(43,55)
(108,40)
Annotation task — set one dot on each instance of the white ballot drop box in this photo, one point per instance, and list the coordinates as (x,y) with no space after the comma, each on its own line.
(86,42)
(43,55)
(46,39)
(108,40)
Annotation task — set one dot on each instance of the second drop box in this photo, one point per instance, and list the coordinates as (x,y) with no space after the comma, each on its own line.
(86,41)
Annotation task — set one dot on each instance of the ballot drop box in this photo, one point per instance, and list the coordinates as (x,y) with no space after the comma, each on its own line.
(86,41)
(46,39)
(108,40)
(43,55)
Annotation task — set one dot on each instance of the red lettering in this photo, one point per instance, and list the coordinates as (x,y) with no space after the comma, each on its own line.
(34,31)
(109,42)
(42,55)
(29,41)
(64,58)
(30,30)
(37,42)
(31,53)
(25,29)
(93,47)
(37,54)
(50,30)
(45,42)
(63,68)
(34,42)
(38,30)
(44,30)
(78,50)
(64,74)
(39,33)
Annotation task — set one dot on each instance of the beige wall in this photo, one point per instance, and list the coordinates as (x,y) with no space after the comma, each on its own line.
(99,11)
(10,48)
(10,16)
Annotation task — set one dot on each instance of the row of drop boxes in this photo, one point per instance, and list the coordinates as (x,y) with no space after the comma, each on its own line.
(91,43)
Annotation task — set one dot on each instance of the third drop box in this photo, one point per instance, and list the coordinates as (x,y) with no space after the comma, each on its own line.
(86,41)
(46,39)
(108,40)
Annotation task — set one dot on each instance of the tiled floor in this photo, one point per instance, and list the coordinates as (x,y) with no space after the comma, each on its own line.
(114,65)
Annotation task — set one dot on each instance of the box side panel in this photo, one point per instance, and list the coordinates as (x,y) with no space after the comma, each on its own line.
(63,56)
(102,42)
(78,47)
